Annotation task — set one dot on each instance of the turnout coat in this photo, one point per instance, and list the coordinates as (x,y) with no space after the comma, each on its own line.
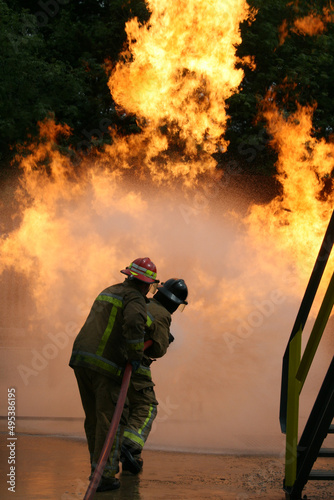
(113,332)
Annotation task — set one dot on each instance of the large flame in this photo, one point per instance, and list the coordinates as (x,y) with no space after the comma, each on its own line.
(180,69)
(297,219)
(76,227)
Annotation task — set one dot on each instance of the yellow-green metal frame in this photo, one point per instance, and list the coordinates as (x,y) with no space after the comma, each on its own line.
(316,334)
(292,410)
(298,370)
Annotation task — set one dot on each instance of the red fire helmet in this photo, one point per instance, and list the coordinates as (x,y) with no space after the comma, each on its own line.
(142,269)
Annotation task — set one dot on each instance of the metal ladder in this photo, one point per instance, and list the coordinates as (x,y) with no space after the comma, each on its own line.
(318,426)
(300,457)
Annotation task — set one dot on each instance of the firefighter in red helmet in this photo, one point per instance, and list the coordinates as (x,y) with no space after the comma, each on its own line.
(170,296)
(112,335)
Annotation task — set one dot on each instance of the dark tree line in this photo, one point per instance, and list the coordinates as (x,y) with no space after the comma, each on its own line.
(298,68)
(53,54)
(52,62)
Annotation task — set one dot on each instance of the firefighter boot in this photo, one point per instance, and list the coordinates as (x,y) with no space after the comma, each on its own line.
(131,461)
(108,484)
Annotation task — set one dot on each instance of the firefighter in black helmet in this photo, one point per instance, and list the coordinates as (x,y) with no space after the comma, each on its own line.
(170,296)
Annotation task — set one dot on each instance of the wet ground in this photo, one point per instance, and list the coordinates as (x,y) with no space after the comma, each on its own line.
(57,468)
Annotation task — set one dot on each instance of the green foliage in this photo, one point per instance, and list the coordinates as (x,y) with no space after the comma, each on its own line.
(299,68)
(52,61)
(53,55)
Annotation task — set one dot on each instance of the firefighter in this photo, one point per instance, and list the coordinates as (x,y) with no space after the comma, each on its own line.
(112,335)
(142,401)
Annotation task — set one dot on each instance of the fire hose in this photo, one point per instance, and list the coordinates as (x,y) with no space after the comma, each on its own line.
(94,482)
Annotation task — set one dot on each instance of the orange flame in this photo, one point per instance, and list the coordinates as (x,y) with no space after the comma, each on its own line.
(78,226)
(297,219)
(283,31)
(178,72)
(182,71)
(313,24)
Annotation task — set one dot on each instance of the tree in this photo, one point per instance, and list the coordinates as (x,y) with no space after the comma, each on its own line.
(299,67)
(52,61)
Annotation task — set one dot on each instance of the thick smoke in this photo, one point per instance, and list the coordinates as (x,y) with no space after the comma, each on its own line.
(67,233)
(219,383)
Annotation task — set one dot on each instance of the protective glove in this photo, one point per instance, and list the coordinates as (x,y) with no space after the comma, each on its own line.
(170,337)
(135,365)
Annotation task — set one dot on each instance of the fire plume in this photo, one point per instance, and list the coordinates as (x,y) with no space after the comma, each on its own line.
(180,68)
(297,218)
(74,228)
(177,73)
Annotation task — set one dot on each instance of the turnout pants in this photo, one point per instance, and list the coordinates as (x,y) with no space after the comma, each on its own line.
(142,412)
(99,396)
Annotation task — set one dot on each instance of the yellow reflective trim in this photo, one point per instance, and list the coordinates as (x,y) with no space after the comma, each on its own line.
(79,357)
(143,270)
(134,437)
(117,304)
(135,341)
(136,346)
(107,331)
(149,319)
(111,299)
(147,420)
(143,370)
